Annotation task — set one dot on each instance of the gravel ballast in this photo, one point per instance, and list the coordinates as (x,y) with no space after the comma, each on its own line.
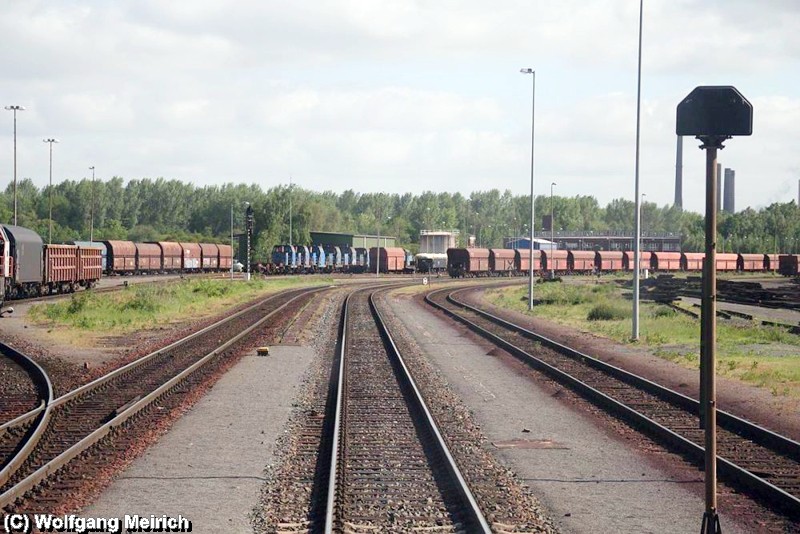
(587,476)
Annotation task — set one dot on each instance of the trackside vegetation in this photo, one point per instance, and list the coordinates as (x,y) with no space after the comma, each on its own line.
(148,305)
(766,356)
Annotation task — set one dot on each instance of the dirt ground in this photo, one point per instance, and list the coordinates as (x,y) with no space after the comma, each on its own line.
(777,413)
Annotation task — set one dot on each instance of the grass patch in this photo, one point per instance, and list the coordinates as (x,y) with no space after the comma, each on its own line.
(765,356)
(148,305)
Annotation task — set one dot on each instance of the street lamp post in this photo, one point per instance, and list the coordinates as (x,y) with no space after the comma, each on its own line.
(552,230)
(91,210)
(15,109)
(641,217)
(378,248)
(533,225)
(50,216)
(637,241)
(231,241)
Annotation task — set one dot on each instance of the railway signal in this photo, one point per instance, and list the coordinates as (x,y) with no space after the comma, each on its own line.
(712,114)
(249,223)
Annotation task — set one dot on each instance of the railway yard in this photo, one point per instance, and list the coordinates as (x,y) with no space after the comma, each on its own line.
(356,404)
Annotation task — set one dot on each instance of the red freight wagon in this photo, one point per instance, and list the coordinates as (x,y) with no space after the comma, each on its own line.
(392,259)
(522,260)
(788,264)
(121,257)
(501,260)
(60,264)
(771,262)
(645,260)
(171,256)
(467,262)
(692,261)
(726,261)
(90,265)
(750,262)
(665,261)
(225,256)
(581,261)
(609,260)
(210,255)
(554,260)
(148,257)
(191,256)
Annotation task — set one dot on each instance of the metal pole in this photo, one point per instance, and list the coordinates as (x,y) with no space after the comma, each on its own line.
(378,254)
(91,211)
(50,216)
(710,518)
(14,109)
(15,165)
(291,248)
(637,245)
(552,230)
(231,241)
(533,218)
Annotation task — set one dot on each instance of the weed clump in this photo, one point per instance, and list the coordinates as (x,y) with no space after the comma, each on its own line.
(607,312)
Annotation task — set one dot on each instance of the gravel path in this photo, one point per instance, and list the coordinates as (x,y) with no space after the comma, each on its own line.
(584,473)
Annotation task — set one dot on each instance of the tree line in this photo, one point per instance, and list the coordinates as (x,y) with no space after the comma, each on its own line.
(161,209)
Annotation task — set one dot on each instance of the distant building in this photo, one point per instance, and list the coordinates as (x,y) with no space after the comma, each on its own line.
(525,243)
(437,241)
(351,240)
(588,240)
(730,191)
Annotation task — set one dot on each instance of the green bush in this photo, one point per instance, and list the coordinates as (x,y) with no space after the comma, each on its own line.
(212,288)
(663,311)
(77,303)
(607,312)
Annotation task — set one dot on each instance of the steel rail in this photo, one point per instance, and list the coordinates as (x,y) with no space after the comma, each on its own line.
(776,496)
(62,459)
(475,513)
(120,371)
(42,412)
(473,510)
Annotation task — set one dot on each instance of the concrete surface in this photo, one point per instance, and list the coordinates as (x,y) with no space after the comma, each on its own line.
(590,481)
(209,467)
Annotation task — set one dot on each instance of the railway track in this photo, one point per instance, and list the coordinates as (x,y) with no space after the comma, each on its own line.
(83,417)
(25,409)
(751,458)
(390,468)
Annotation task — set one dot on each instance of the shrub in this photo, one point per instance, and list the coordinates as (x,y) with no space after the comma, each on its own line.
(606,312)
(210,288)
(663,311)
(77,303)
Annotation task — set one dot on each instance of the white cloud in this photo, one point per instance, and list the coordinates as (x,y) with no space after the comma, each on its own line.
(396,95)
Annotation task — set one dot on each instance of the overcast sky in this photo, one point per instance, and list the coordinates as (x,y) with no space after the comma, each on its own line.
(397,95)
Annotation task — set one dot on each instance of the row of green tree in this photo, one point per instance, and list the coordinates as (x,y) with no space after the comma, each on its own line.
(148,210)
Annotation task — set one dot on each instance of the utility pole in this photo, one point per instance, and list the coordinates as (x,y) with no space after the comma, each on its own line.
(91,210)
(50,216)
(15,109)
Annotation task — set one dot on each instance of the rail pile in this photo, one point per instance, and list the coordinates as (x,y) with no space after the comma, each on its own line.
(85,416)
(751,458)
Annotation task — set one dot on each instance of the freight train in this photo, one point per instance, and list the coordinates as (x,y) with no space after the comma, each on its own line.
(472,262)
(301,259)
(30,268)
